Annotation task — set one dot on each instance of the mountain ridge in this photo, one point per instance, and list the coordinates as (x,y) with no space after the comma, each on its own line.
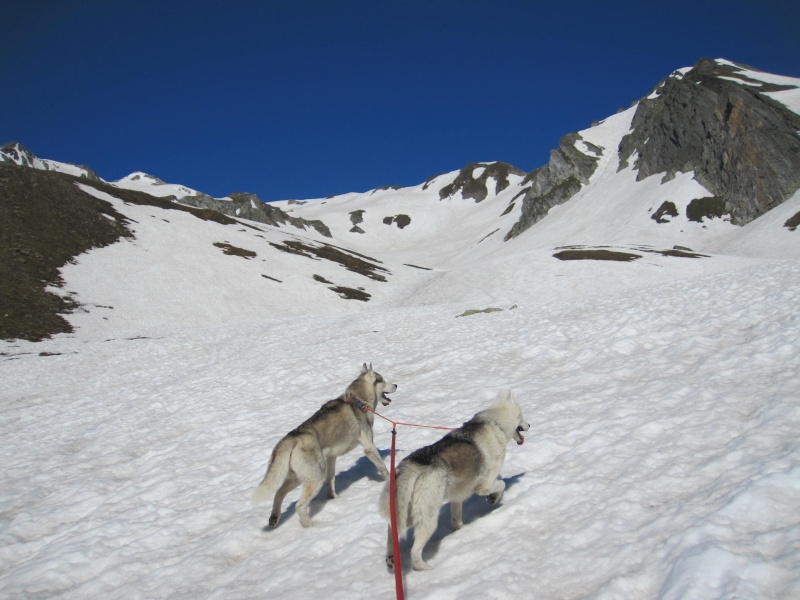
(603,194)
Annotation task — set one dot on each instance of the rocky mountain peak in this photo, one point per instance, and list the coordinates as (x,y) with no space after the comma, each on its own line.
(18,154)
(141,176)
(718,122)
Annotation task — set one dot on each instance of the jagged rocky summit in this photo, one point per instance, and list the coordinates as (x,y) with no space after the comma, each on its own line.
(716,120)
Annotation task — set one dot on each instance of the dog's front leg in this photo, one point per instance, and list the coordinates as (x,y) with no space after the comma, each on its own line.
(365,439)
(330,473)
(456,518)
(493,491)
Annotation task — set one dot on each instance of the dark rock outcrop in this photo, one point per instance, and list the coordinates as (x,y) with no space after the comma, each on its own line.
(401,221)
(477,189)
(741,144)
(668,209)
(356,218)
(556,182)
(710,207)
(251,207)
(16,153)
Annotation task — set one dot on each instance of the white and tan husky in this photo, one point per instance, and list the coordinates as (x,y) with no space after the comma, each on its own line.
(466,461)
(307,454)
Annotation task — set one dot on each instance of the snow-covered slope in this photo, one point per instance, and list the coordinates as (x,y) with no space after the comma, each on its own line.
(142,182)
(662,460)
(663,392)
(439,241)
(415,224)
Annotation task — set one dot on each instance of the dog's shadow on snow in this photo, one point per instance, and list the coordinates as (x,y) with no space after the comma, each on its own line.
(361,469)
(474,508)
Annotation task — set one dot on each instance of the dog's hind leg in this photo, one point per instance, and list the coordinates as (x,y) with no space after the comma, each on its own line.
(389,550)
(288,485)
(310,490)
(427,499)
(423,530)
(330,473)
(309,465)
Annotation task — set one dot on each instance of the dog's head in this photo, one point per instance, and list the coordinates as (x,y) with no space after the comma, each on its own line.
(376,386)
(509,413)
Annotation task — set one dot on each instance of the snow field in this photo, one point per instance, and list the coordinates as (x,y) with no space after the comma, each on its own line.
(662,459)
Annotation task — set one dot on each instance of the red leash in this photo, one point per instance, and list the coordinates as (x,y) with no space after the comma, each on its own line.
(398,563)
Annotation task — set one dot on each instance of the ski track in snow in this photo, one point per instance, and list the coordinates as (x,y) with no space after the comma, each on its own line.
(662,460)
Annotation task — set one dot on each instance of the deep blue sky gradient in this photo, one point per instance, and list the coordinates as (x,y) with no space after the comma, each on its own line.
(305,99)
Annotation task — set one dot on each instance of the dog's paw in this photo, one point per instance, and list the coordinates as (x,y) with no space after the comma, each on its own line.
(390,562)
(494,498)
(420,565)
(273,520)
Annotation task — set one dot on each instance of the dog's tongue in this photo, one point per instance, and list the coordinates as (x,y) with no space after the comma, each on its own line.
(521,440)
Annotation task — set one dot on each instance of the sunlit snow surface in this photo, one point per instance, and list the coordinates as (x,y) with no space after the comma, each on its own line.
(662,460)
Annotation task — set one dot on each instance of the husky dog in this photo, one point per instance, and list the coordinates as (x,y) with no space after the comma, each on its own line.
(307,454)
(464,462)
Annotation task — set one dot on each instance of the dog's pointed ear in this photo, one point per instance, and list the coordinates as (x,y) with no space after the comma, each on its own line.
(364,368)
(370,368)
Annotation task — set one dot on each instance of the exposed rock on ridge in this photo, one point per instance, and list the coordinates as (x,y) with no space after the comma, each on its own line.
(18,154)
(476,188)
(556,182)
(250,206)
(741,144)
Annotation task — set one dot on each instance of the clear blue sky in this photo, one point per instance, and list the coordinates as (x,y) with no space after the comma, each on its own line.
(305,99)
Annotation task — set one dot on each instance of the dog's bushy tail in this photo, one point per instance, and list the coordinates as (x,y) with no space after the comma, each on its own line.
(277,471)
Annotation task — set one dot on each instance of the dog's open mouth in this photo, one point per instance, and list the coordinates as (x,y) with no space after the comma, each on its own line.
(520,439)
(385,400)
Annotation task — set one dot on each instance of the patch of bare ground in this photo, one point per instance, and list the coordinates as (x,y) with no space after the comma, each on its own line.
(352,261)
(604,253)
(47,221)
(231,250)
(596,254)
(350,293)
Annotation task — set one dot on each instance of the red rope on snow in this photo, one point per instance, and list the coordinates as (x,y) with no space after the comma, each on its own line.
(398,563)
(366,407)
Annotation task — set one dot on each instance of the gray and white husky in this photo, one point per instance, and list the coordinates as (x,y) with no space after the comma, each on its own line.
(466,461)
(307,454)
